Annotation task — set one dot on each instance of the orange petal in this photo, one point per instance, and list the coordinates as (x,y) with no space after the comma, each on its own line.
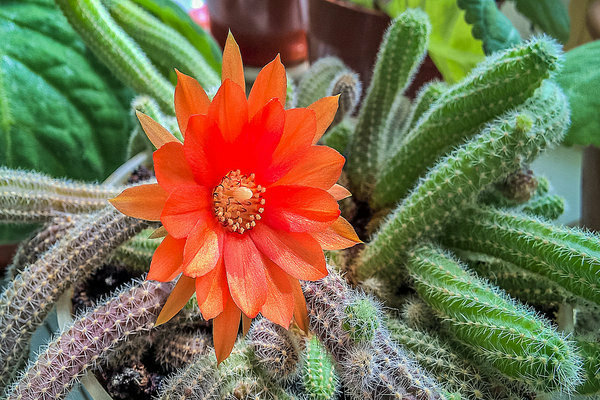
(339,192)
(300,311)
(279,307)
(270,83)
(230,109)
(225,330)
(167,259)
(158,233)
(184,289)
(299,208)
(232,63)
(246,322)
(245,273)
(190,99)
(319,167)
(298,254)
(155,131)
(212,291)
(202,250)
(299,129)
(325,109)
(171,167)
(184,208)
(143,201)
(340,235)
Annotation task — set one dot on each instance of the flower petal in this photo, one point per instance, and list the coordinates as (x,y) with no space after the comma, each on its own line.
(157,134)
(203,149)
(167,259)
(325,109)
(300,311)
(279,307)
(340,235)
(212,291)
(298,254)
(186,206)
(225,330)
(319,167)
(232,63)
(245,273)
(270,83)
(299,208)
(202,250)
(190,99)
(229,109)
(246,323)
(183,290)
(158,233)
(143,201)
(171,167)
(339,192)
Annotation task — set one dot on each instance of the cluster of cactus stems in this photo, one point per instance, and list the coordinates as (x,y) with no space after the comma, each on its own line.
(462,241)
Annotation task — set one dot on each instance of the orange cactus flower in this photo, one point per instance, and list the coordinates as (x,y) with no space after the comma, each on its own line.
(247,202)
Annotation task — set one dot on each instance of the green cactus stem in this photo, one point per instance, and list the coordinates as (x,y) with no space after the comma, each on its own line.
(137,252)
(318,373)
(27,196)
(163,44)
(89,340)
(498,330)
(502,147)
(498,84)
(401,52)
(316,82)
(27,300)
(117,50)
(548,207)
(569,257)
(362,318)
(201,379)
(339,136)
(590,352)
(426,96)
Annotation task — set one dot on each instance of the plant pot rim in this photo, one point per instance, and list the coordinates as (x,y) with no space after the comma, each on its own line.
(357,8)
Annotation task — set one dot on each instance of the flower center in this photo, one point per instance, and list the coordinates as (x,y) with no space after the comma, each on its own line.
(238,202)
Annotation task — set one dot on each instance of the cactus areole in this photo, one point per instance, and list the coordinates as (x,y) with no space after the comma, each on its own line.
(247,202)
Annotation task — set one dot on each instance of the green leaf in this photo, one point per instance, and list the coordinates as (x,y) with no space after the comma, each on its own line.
(175,17)
(452,48)
(580,79)
(60,111)
(551,16)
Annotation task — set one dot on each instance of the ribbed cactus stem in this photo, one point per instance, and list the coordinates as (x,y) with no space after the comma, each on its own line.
(394,126)
(401,52)
(347,85)
(318,373)
(371,369)
(569,257)
(316,82)
(137,252)
(276,350)
(527,286)
(27,300)
(426,96)
(117,50)
(90,339)
(339,136)
(590,351)
(176,349)
(500,83)
(548,207)
(199,380)
(449,367)
(163,44)
(455,182)
(31,249)
(362,319)
(27,196)
(498,330)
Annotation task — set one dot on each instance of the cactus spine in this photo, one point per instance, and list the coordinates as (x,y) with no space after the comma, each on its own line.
(548,207)
(118,51)
(163,44)
(137,252)
(89,339)
(26,301)
(568,257)
(590,352)
(316,83)
(509,336)
(319,377)
(400,54)
(426,96)
(34,197)
(177,349)
(502,147)
(501,82)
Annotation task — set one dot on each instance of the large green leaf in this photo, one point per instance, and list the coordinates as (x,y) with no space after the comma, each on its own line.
(580,79)
(452,48)
(551,16)
(60,111)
